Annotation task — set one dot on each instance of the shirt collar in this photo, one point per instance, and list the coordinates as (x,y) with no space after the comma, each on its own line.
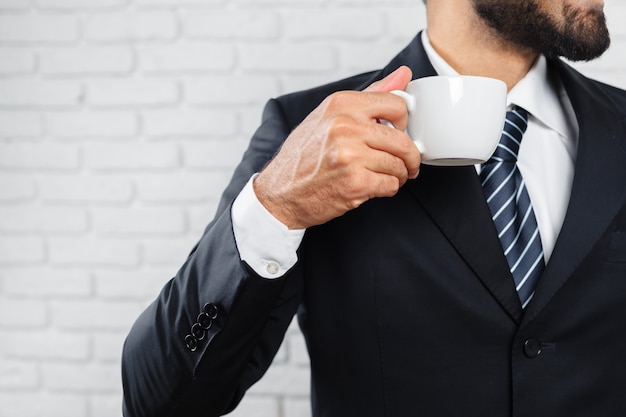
(535,92)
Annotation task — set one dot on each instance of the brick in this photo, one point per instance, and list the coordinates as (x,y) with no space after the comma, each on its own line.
(256,406)
(20,313)
(199,215)
(230,89)
(78,4)
(189,123)
(214,154)
(298,353)
(14,188)
(108,252)
(249,120)
(16,61)
(20,124)
(168,251)
(176,2)
(346,24)
(253,25)
(88,189)
(297,81)
(94,314)
(138,221)
(311,59)
(87,60)
(107,346)
(282,355)
(92,124)
(406,28)
(263,3)
(105,405)
(38,404)
(39,156)
(81,378)
(14,4)
(20,250)
(284,380)
(38,28)
(186,57)
(43,219)
(131,156)
(28,92)
(17,375)
(46,282)
(132,26)
(363,57)
(616,13)
(297,407)
(58,345)
(144,284)
(131,92)
(179,188)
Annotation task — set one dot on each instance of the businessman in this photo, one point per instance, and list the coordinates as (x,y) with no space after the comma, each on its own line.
(406,288)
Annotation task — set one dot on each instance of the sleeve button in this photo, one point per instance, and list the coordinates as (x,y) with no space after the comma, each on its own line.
(211,310)
(205,321)
(197,331)
(191,343)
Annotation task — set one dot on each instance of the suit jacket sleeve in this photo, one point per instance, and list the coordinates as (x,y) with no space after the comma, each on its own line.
(216,326)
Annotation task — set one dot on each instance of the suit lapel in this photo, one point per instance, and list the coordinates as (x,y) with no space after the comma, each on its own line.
(598,190)
(454,199)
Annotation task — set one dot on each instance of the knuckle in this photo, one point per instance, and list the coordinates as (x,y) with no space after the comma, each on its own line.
(340,157)
(337,100)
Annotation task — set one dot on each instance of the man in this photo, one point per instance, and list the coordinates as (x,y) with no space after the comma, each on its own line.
(408,303)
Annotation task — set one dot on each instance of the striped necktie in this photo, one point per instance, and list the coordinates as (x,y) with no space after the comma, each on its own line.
(511,209)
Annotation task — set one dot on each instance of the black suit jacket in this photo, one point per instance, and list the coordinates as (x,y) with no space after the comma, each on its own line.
(406,303)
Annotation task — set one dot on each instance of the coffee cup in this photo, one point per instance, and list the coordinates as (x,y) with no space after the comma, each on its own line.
(455,120)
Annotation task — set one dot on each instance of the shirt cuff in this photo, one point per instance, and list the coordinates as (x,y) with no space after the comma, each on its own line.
(263,242)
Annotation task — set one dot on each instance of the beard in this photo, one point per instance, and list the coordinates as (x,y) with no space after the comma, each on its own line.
(581,35)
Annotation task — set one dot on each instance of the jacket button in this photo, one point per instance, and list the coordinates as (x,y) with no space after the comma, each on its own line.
(191,343)
(532,348)
(211,311)
(204,321)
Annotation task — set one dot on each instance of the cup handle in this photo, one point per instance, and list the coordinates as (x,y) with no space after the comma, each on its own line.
(410,105)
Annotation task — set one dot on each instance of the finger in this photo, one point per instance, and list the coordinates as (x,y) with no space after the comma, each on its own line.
(383,185)
(387,164)
(394,111)
(397,144)
(397,80)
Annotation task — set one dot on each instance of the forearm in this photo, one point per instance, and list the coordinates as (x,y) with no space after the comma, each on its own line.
(163,375)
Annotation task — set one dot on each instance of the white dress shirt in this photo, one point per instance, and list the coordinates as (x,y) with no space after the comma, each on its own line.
(546,161)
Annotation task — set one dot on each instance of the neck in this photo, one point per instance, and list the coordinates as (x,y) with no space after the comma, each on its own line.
(471,47)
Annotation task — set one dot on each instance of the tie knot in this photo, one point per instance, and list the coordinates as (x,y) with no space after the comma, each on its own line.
(514,127)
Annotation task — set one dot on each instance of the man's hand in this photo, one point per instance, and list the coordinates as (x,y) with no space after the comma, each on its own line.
(340,156)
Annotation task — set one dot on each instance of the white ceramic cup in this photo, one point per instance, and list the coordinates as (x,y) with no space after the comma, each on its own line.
(455,120)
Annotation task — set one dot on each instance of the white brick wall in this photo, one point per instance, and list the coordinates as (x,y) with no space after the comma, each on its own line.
(120,123)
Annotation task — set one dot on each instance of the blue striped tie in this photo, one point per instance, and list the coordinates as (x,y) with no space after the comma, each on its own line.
(511,209)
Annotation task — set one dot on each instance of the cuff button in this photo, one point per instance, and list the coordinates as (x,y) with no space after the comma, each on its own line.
(211,311)
(191,343)
(205,321)
(197,331)
(272,267)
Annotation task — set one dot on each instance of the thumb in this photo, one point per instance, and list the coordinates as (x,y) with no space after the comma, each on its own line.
(397,80)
